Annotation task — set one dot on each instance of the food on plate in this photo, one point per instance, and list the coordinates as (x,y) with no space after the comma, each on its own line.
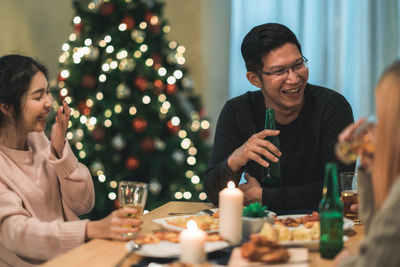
(170,236)
(307,220)
(301,233)
(280,232)
(284,234)
(148,238)
(204,222)
(216,215)
(269,232)
(260,248)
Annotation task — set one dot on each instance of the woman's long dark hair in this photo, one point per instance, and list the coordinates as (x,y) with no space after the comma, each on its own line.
(16,73)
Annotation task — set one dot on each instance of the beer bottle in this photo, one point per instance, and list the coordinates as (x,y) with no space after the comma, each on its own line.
(272,174)
(331,215)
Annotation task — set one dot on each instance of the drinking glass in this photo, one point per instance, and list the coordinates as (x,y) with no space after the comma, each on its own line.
(134,195)
(362,137)
(349,194)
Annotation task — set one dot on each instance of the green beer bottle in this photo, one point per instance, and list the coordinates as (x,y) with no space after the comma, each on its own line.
(272,174)
(331,215)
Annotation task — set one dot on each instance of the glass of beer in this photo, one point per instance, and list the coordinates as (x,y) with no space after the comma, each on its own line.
(133,195)
(348,181)
(361,138)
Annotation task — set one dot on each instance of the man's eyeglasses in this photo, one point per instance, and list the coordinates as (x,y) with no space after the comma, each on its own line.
(298,67)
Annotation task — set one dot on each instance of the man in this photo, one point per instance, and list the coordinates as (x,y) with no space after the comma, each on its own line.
(308,120)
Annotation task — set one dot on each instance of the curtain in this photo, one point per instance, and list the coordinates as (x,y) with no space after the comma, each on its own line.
(348,43)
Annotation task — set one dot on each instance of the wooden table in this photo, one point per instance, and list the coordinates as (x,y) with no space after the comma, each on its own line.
(107,253)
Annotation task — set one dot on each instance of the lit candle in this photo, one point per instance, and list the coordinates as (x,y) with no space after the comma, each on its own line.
(230,213)
(192,243)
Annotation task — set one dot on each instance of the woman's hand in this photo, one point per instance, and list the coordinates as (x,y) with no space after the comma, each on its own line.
(366,157)
(115,226)
(59,129)
(254,149)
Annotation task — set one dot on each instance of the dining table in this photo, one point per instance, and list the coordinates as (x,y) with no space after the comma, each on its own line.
(110,253)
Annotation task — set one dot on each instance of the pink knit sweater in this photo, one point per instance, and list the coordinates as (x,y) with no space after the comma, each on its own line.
(40,198)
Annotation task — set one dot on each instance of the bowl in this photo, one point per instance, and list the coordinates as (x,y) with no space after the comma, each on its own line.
(254,225)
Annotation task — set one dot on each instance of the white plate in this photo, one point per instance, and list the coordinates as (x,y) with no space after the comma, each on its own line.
(311,244)
(166,249)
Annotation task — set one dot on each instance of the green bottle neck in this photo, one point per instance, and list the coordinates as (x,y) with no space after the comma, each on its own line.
(330,192)
(270,119)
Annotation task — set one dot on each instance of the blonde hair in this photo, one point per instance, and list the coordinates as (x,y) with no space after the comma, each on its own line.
(386,165)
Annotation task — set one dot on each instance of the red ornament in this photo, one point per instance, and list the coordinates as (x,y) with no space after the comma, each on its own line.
(172,128)
(99,134)
(204,134)
(60,78)
(139,124)
(158,87)
(156,29)
(132,163)
(147,144)
(202,112)
(78,28)
(83,108)
(148,16)
(171,89)
(157,59)
(129,21)
(141,83)
(88,81)
(106,9)
(116,203)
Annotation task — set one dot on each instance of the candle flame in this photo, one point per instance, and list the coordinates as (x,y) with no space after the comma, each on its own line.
(192,225)
(231,185)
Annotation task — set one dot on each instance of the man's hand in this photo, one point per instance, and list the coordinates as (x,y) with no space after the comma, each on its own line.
(254,149)
(252,190)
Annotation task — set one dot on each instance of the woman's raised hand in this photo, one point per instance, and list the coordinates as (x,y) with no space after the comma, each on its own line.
(60,127)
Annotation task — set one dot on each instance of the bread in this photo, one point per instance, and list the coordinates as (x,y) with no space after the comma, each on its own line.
(269,232)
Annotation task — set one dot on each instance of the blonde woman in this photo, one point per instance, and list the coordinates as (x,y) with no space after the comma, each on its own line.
(379,183)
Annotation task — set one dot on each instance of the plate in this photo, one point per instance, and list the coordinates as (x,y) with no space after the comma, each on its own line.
(166,249)
(311,244)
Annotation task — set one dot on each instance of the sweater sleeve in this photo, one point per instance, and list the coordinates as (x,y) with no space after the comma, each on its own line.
(75,180)
(225,142)
(29,237)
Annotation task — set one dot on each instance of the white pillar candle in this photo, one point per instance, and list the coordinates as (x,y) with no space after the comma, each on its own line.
(230,213)
(192,243)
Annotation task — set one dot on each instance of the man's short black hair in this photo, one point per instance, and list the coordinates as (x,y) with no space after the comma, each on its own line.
(262,39)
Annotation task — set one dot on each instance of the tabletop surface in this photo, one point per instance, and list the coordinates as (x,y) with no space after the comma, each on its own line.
(100,252)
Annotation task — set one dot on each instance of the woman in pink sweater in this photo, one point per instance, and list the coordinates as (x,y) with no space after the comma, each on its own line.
(43,187)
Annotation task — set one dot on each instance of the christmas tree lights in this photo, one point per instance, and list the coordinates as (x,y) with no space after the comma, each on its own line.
(135,116)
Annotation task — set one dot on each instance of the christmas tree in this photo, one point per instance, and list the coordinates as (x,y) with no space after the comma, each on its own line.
(135,116)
